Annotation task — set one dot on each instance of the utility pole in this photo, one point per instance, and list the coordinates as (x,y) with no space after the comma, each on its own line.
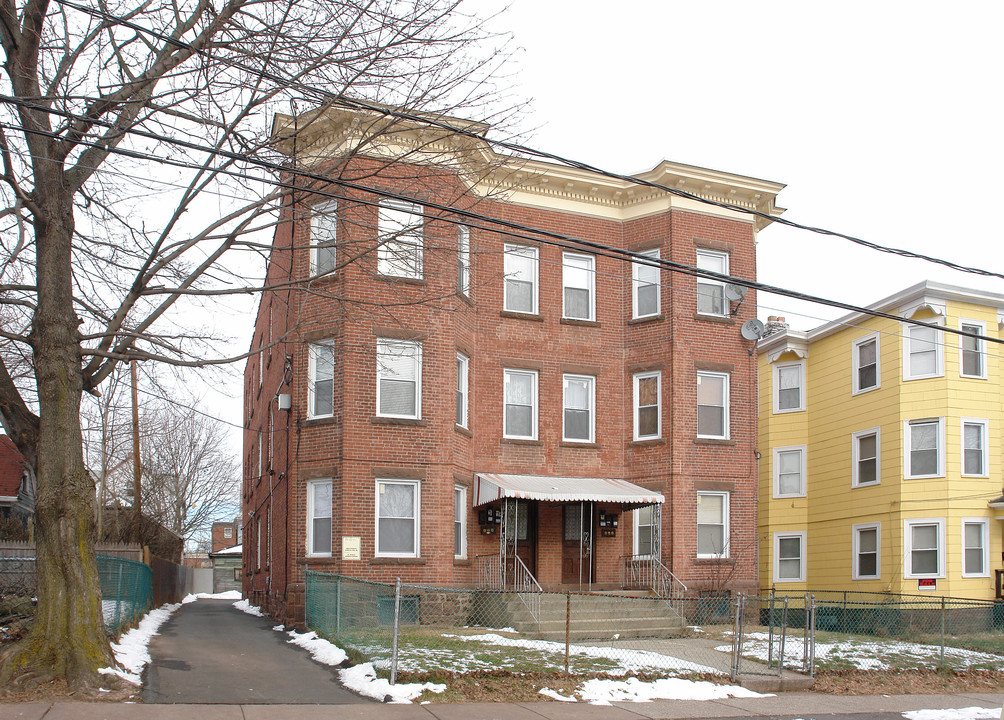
(137,505)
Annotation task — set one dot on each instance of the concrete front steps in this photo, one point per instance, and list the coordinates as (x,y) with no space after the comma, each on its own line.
(594,617)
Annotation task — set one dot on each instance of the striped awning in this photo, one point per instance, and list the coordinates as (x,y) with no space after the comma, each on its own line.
(489,487)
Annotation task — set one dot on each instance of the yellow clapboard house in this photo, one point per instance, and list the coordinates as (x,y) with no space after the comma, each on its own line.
(880,443)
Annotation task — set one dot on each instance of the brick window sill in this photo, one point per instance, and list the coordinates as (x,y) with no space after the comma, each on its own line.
(461,430)
(647,443)
(714,561)
(520,441)
(465,297)
(720,319)
(721,442)
(461,562)
(402,280)
(319,421)
(646,319)
(411,422)
(397,561)
(579,323)
(521,316)
(584,445)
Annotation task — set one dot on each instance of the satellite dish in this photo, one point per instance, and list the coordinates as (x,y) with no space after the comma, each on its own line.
(752,329)
(734,292)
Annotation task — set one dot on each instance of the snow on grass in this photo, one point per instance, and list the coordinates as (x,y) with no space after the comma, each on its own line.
(228,595)
(598,691)
(132,650)
(969,713)
(869,655)
(320,649)
(555,695)
(247,607)
(621,661)
(363,680)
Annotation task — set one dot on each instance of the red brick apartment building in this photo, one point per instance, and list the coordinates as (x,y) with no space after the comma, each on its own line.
(440,398)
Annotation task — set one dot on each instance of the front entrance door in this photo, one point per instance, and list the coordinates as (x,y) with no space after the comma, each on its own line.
(577,544)
(524,536)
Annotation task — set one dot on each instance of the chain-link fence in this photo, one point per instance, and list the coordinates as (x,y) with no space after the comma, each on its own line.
(420,630)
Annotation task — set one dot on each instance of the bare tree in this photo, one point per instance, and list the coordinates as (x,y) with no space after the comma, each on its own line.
(189,479)
(135,159)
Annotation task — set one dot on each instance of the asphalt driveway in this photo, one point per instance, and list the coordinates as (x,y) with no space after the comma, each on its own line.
(210,652)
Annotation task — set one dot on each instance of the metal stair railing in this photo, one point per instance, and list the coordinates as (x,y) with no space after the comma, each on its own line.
(493,574)
(643,571)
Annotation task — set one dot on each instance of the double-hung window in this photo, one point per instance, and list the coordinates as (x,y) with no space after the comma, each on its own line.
(645,528)
(520,279)
(459,521)
(323,234)
(645,287)
(579,403)
(578,286)
(789,471)
(789,557)
(925,442)
(397,518)
(647,405)
(320,380)
(520,404)
(401,239)
(866,544)
(923,352)
(399,378)
(319,517)
(972,361)
(789,387)
(711,293)
(463,260)
(712,524)
(866,363)
(975,534)
(974,447)
(712,405)
(463,375)
(865,447)
(924,540)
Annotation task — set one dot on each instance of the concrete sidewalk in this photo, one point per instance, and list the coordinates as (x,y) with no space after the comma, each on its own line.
(793,705)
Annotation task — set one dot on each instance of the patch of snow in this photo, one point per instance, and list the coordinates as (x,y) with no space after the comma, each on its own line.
(555,695)
(131,651)
(228,595)
(969,713)
(320,649)
(363,680)
(278,628)
(603,692)
(246,606)
(634,660)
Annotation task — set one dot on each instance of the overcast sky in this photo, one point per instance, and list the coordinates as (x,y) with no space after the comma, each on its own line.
(884,120)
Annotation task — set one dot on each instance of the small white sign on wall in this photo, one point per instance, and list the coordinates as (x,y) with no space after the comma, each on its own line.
(352,548)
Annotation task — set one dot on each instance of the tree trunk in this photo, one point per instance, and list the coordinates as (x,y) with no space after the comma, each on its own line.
(67,640)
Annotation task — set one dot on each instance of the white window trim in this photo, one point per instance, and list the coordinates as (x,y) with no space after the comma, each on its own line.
(855,388)
(726,534)
(464,362)
(591,288)
(908,547)
(985,423)
(985,539)
(907,443)
(310,517)
(658,378)
(803,463)
(634,534)
(982,348)
(463,521)
(418,517)
(855,549)
(384,256)
(726,393)
(321,209)
(778,536)
(855,457)
(635,284)
(312,350)
(800,364)
(535,409)
(512,248)
(592,407)
(463,260)
(417,345)
(709,281)
(939,350)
